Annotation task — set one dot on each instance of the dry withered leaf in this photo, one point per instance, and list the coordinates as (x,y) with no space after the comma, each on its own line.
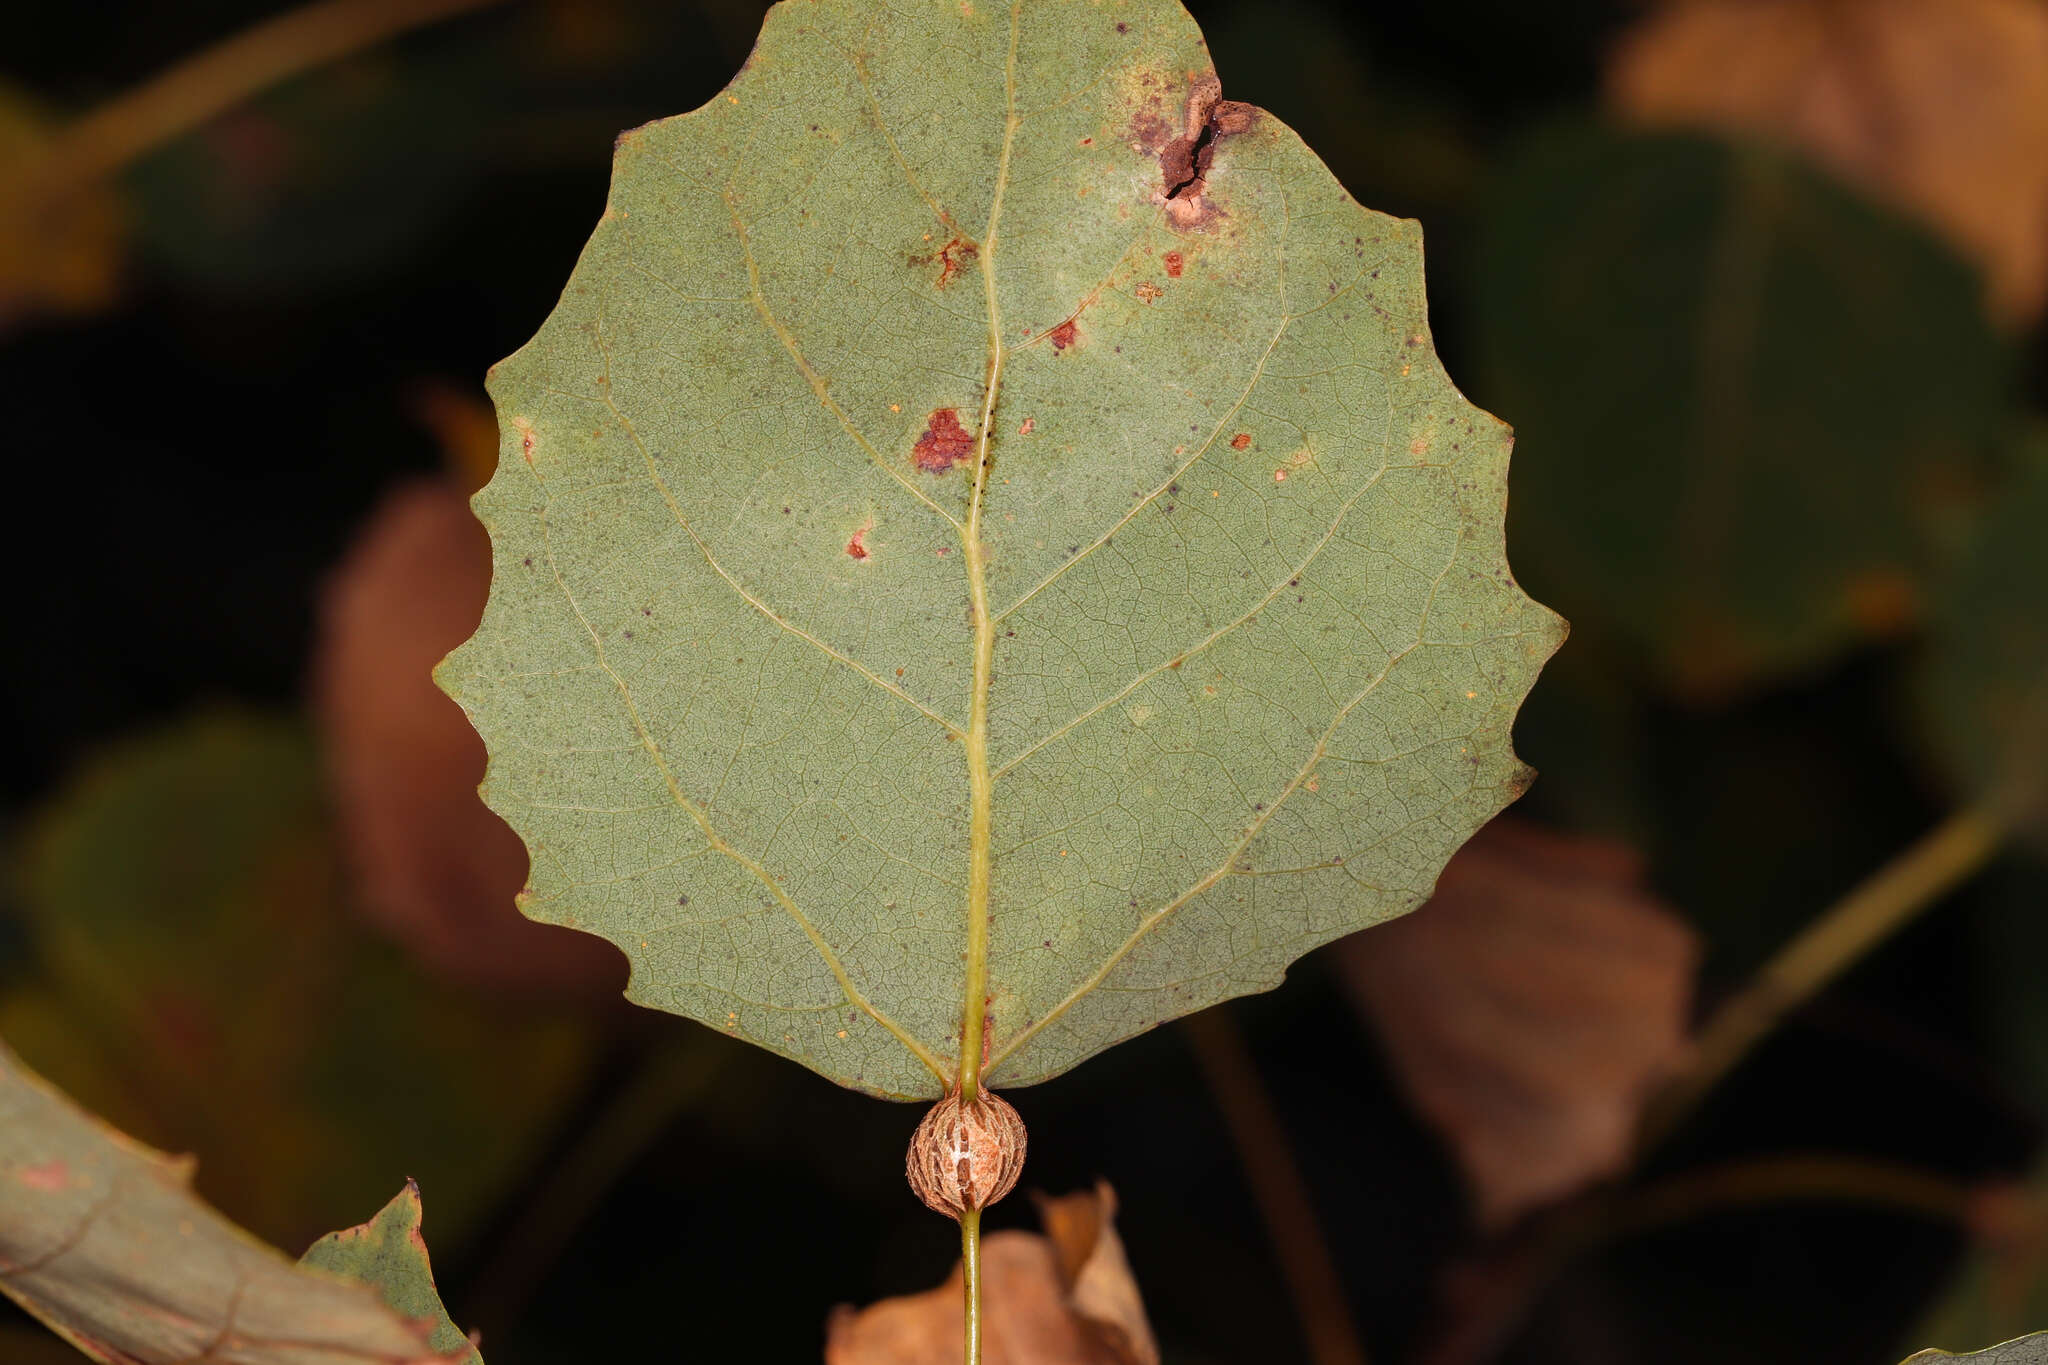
(1066,1297)
(1530,1007)
(1940,106)
(435,867)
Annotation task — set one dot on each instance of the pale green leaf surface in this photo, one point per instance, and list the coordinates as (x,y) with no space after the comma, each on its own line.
(101,1239)
(389,1253)
(1253,647)
(2031,1350)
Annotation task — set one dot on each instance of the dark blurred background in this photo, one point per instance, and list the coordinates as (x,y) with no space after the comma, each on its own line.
(1757,281)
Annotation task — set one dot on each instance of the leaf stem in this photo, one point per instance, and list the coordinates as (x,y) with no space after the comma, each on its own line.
(970,1279)
(1281,1193)
(1936,864)
(192,91)
(980,783)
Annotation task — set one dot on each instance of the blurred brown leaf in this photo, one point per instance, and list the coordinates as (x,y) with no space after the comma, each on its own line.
(104,1242)
(60,256)
(1064,1298)
(437,869)
(1530,1007)
(1940,106)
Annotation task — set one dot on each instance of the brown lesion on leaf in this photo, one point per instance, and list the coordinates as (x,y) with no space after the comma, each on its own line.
(857,545)
(952,258)
(1206,120)
(944,443)
(1064,335)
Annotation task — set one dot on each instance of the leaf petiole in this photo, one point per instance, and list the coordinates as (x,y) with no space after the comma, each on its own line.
(970,1278)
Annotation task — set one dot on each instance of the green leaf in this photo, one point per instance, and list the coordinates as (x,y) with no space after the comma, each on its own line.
(199,977)
(389,1253)
(1987,676)
(103,1242)
(2031,1350)
(1747,398)
(986,552)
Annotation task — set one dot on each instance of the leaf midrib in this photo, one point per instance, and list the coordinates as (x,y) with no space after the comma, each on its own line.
(980,782)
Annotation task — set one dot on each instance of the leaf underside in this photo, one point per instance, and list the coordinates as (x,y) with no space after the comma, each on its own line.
(931,277)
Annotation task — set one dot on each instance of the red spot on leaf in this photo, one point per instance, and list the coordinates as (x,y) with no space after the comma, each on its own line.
(51,1176)
(1174,263)
(950,257)
(944,444)
(857,547)
(1064,335)
(1241,440)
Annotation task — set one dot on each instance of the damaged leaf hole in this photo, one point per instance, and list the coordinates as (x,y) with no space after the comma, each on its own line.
(1184,162)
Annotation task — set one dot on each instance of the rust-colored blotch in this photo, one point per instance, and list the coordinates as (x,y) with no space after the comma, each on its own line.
(1174,264)
(1241,440)
(944,444)
(1064,335)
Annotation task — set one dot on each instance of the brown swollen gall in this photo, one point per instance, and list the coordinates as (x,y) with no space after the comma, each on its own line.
(966,1155)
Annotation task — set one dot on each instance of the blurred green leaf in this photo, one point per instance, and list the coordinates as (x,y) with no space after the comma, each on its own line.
(1741,394)
(827,581)
(389,1253)
(201,980)
(323,180)
(1987,658)
(104,1242)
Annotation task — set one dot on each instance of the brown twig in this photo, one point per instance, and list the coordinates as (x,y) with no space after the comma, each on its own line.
(1277,1187)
